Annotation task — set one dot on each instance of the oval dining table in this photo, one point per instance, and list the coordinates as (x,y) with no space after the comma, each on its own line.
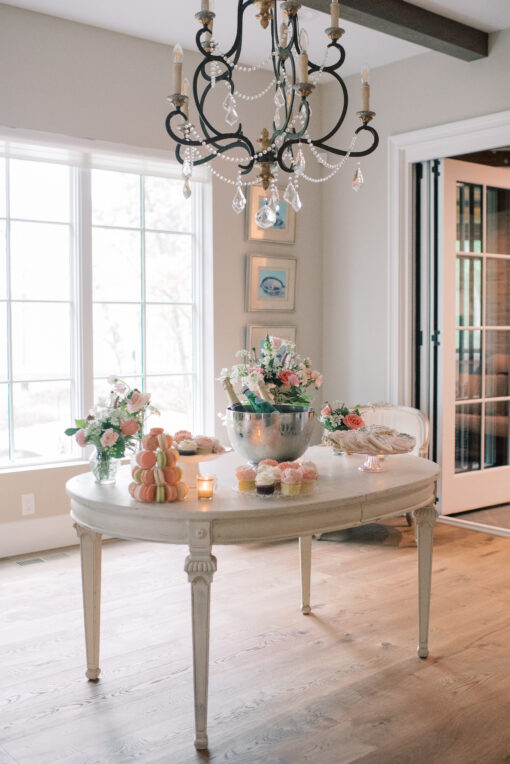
(343,497)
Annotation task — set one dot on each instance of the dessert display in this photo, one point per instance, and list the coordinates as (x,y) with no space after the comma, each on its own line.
(372,441)
(195,449)
(187,447)
(156,476)
(273,479)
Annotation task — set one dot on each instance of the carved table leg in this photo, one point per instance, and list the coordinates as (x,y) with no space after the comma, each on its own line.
(90,550)
(305,559)
(425,521)
(200,565)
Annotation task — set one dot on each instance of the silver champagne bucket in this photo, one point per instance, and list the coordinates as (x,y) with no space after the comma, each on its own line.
(283,435)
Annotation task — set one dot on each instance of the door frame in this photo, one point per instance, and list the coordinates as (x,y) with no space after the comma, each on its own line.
(404,150)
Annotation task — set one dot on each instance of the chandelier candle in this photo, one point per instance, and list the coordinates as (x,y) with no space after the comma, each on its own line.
(286,147)
(365,88)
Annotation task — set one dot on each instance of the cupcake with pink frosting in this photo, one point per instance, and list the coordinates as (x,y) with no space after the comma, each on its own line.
(310,475)
(291,482)
(204,444)
(246,477)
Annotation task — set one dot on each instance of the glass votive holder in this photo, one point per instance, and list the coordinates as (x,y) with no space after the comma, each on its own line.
(205,487)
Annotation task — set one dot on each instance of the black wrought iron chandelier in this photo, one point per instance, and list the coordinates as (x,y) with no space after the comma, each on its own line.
(282,148)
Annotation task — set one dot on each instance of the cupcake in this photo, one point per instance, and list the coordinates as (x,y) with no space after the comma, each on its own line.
(204,444)
(246,478)
(291,482)
(288,466)
(274,472)
(187,447)
(182,435)
(310,475)
(264,483)
(269,462)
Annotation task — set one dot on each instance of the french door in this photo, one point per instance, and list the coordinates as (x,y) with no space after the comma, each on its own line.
(474,353)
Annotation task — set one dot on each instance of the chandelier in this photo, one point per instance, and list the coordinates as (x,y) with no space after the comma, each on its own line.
(282,147)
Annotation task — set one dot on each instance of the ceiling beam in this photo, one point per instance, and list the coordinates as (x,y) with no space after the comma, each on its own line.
(409,22)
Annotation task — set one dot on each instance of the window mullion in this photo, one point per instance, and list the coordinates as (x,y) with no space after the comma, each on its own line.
(85,311)
(143,287)
(10,388)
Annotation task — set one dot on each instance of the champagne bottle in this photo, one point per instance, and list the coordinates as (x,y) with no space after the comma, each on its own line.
(232,398)
(259,405)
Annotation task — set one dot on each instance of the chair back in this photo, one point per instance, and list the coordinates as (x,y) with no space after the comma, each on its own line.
(401,418)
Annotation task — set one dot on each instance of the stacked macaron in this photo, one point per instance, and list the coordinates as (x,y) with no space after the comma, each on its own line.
(157,476)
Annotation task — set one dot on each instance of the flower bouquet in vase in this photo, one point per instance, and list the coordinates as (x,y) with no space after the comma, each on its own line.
(337,417)
(275,419)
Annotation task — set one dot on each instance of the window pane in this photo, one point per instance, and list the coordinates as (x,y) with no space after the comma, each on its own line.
(497,364)
(469,218)
(115,198)
(4,424)
(40,341)
(498,290)
(3,341)
(498,221)
(2,188)
(41,413)
(173,396)
(469,367)
(165,207)
(3,262)
(469,291)
(496,433)
(39,261)
(116,265)
(467,437)
(39,190)
(168,269)
(117,340)
(169,339)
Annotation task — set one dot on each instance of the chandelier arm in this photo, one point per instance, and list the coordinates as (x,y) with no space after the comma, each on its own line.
(320,144)
(341,118)
(240,141)
(235,50)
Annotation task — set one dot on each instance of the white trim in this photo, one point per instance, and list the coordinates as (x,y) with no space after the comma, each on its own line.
(472,526)
(452,139)
(26,536)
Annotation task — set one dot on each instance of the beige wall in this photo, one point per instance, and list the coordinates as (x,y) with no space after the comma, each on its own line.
(427,90)
(68,78)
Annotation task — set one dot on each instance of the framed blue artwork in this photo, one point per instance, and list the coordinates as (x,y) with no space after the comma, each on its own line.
(270,283)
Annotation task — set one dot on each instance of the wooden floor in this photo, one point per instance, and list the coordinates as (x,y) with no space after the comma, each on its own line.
(342,685)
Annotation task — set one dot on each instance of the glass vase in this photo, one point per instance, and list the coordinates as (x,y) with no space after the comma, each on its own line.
(104,468)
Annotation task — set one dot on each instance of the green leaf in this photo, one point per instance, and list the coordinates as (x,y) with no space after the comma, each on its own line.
(80,423)
(72,430)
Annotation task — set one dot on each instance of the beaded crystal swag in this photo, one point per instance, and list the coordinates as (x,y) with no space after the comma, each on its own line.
(282,149)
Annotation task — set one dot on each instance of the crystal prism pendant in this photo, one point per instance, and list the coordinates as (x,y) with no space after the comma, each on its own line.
(277,119)
(358,179)
(186,189)
(299,163)
(275,198)
(292,197)
(186,170)
(239,200)
(229,102)
(279,100)
(231,117)
(266,216)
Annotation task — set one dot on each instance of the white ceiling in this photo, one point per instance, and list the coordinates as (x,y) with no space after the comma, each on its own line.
(172,21)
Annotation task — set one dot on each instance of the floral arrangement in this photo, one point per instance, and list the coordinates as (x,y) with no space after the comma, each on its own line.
(114,424)
(279,375)
(337,416)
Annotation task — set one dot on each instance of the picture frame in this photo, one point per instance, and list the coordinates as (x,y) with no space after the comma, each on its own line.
(256,333)
(270,283)
(283,231)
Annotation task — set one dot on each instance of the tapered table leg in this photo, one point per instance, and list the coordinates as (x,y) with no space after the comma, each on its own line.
(305,559)
(200,565)
(90,550)
(425,521)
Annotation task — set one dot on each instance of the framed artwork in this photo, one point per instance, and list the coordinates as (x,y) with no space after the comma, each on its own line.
(284,229)
(270,283)
(256,334)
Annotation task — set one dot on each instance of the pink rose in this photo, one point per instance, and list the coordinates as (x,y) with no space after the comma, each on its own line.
(257,370)
(109,437)
(81,438)
(327,410)
(129,427)
(353,421)
(137,401)
(318,381)
(276,342)
(288,378)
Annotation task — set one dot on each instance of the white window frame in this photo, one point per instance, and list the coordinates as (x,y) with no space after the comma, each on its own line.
(82,156)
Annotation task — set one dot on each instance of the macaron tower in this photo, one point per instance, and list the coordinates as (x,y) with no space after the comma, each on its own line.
(157,476)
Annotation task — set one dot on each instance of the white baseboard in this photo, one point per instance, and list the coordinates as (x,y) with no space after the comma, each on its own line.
(26,536)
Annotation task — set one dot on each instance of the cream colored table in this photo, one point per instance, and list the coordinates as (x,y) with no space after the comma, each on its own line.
(344,497)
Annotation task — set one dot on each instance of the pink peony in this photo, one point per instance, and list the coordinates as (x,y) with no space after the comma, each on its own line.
(327,410)
(288,378)
(353,421)
(129,427)
(109,437)
(81,438)
(138,401)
